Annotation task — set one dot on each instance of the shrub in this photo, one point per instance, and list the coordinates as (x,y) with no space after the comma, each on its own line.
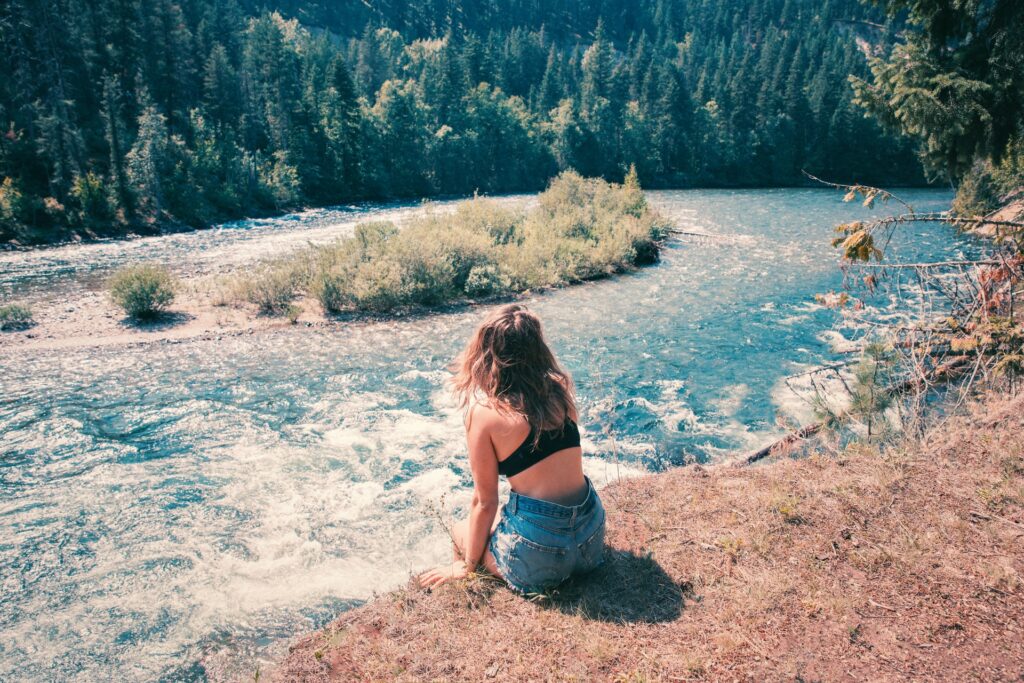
(370,237)
(15,317)
(14,207)
(143,291)
(374,287)
(273,287)
(486,279)
(483,216)
(329,289)
(582,228)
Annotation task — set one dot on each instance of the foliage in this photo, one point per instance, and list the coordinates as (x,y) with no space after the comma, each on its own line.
(145,114)
(273,286)
(93,201)
(956,84)
(486,279)
(14,208)
(955,81)
(582,228)
(971,328)
(15,317)
(143,291)
(869,396)
(987,186)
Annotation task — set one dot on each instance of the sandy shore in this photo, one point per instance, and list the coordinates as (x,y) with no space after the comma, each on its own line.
(91,319)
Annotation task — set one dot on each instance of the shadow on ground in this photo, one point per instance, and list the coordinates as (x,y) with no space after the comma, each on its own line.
(627,588)
(158,323)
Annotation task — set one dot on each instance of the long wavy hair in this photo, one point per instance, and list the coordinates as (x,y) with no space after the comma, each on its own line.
(508,363)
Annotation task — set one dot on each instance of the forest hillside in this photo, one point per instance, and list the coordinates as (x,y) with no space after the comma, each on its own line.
(124,116)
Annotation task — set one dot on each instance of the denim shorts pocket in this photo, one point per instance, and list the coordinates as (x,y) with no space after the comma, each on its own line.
(532,567)
(591,551)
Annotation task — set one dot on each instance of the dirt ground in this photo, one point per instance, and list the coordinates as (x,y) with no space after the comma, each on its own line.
(902,565)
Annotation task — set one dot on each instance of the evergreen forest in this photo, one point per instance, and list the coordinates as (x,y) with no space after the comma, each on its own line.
(121,116)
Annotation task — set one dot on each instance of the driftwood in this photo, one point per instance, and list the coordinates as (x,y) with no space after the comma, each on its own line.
(685,233)
(776,446)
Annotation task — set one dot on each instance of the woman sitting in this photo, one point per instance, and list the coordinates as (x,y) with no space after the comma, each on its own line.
(521,423)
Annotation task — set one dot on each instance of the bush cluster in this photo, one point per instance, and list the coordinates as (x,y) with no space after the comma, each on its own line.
(143,291)
(580,229)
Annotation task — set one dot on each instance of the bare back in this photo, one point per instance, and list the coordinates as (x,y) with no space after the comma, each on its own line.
(557,478)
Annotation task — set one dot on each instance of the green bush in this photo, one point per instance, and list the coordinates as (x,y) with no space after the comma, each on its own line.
(143,291)
(15,317)
(486,279)
(582,228)
(273,287)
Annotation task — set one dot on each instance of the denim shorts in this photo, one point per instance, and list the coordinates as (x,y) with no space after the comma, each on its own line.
(538,545)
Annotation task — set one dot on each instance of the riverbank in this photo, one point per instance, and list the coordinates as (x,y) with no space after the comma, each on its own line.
(863,566)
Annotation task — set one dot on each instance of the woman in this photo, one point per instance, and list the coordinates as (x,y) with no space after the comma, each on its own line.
(521,423)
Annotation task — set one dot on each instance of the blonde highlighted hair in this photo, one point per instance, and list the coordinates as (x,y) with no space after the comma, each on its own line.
(508,362)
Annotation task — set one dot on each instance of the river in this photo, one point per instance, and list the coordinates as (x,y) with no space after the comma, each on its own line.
(177,510)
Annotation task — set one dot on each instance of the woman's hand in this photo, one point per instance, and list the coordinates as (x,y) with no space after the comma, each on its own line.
(435,577)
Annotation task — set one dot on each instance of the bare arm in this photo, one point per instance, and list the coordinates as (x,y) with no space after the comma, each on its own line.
(483,461)
(484,464)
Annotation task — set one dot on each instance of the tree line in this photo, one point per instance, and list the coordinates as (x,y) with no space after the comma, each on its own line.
(132,115)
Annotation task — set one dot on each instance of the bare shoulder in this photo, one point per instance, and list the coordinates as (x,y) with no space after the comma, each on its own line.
(487,418)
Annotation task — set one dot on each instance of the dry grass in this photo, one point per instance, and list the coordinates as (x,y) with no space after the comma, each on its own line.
(902,565)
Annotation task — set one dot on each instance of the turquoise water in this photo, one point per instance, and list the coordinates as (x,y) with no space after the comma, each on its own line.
(178,511)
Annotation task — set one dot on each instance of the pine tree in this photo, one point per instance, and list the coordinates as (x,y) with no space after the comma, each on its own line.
(221,87)
(147,160)
(116,137)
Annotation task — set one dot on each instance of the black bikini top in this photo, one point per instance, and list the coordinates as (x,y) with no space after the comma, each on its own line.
(551,441)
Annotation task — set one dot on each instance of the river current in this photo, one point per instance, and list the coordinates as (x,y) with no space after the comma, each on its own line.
(180,510)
